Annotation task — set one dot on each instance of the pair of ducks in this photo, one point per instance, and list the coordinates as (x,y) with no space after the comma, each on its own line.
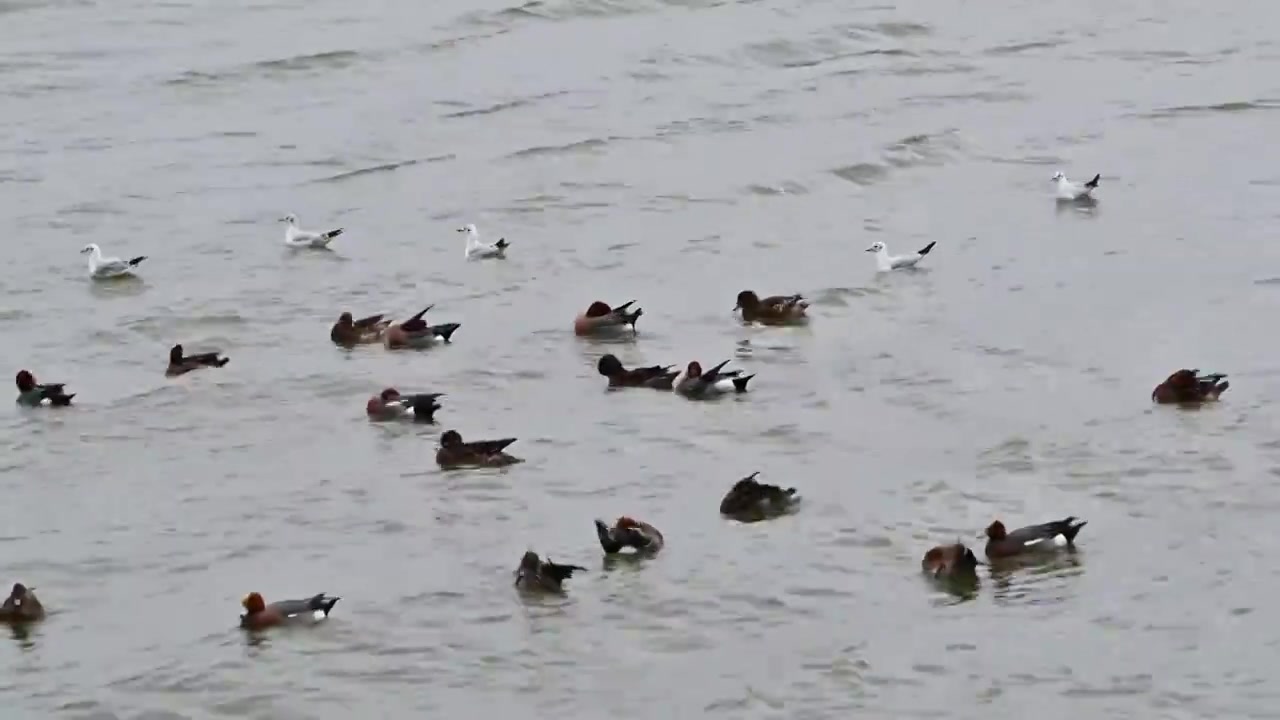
(693,382)
(33,394)
(390,405)
(957,561)
(747,501)
(413,333)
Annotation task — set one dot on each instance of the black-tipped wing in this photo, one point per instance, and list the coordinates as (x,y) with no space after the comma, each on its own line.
(560,572)
(489,447)
(1094,182)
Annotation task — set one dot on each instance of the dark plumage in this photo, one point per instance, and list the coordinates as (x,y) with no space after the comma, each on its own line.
(1032,538)
(658,377)
(750,501)
(1190,387)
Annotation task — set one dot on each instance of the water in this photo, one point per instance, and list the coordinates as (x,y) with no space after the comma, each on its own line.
(674,153)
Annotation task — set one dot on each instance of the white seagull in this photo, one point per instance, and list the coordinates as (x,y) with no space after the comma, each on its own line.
(296,237)
(1068,190)
(105,268)
(479,250)
(886,262)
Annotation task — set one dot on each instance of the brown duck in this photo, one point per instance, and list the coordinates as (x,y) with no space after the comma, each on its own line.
(537,575)
(949,561)
(180,364)
(349,332)
(416,334)
(750,501)
(1045,537)
(33,394)
(1189,387)
(658,377)
(454,453)
(600,319)
(773,310)
(259,615)
(21,606)
(629,532)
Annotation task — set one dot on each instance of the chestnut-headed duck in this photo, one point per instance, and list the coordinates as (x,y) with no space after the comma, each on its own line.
(694,382)
(536,574)
(948,561)
(349,332)
(180,364)
(1032,538)
(750,501)
(391,405)
(628,532)
(600,319)
(455,453)
(296,237)
(22,606)
(416,334)
(658,377)
(773,310)
(477,250)
(1190,387)
(259,615)
(32,393)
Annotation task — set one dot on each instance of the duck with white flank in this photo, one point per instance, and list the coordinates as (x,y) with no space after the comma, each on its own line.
(698,384)
(416,334)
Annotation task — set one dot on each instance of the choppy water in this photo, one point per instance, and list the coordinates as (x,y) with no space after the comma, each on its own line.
(675,153)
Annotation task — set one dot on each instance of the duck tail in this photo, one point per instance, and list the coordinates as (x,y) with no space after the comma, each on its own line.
(327,603)
(631,318)
(446,330)
(1094,182)
(502,244)
(740,383)
(607,542)
(1220,388)
(61,400)
(219,362)
(1071,527)
(134,262)
(925,250)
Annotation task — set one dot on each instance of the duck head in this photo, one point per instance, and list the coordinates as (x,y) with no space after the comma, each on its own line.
(345,320)
(747,300)
(19,594)
(452,439)
(25,380)
(175,354)
(1183,378)
(694,370)
(876,247)
(253,603)
(746,484)
(529,567)
(390,395)
(598,309)
(996,531)
(609,365)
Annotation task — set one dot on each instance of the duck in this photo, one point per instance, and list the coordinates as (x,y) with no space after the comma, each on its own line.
(454,453)
(537,575)
(416,334)
(259,615)
(477,250)
(391,405)
(1190,387)
(296,237)
(109,268)
(1069,191)
(886,262)
(695,383)
(628,532)
(1032,538)
(349,332)
(773,310)
(22,606)
(600,319)
(33,394)
(949,561)
(658,377)
(749,500)
(180,364)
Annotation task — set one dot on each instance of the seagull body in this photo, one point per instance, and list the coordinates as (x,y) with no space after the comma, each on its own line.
(105,268)
(886,262)
(296,237)
(1068,190)
(480,250)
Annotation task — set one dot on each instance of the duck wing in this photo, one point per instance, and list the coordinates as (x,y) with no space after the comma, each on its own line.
(368,322)
(489,447)
(560,572)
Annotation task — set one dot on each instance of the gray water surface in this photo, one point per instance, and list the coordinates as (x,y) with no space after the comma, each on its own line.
(674,153)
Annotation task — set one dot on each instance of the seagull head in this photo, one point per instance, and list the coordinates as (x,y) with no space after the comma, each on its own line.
(468,229)
(90,248)
(1058,176)
(290,218)
(876,247)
